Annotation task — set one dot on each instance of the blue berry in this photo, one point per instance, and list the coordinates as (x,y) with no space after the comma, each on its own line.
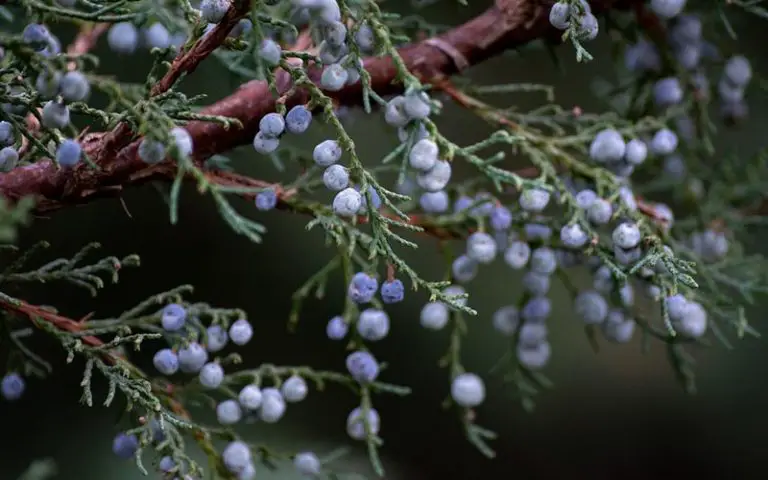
(47,84)
(236,456)
(423,155)
(626,236)
(392,291)
(667,8)
(337,328)
(240,332)
(250,397)
(307,463)
(192,358)
(327,153)
(560,15)
(213,11)
(534,357)
(636,152)
(588,27)
(501,218)
(270,52)
(536,283)
(216,338)
(6,133)
(298,119)
(434,316)
(434,202)
(362,287)
(600,212)
(55,115)
(12,386)
(738,71)
(68,153)
(241,28)
(506,320)
(294,389)
(481,247)
(272,125)
(464,269)
(182,140)
(173,317)
(357,422)
(591,307)
(266,200)
(534,199)
(468,390)
(362,366)
(272,405)
(573,236)
(166,361)
(607,147)
(228,412)
(157,36)
(373,324)
(664,142)
(347,202)
(125,446)
(265,144)
(537,309)
(334,77)
(336,178)
(544,261)
(211,375)
(36,36)
(9,157)
(74,87)
(437,177)
(667,91)
(417,106)
(166,464)
(517,254)
(375,200)
(151,151)
(123,38)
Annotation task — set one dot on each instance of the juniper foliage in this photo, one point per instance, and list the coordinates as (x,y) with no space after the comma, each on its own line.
(301,58)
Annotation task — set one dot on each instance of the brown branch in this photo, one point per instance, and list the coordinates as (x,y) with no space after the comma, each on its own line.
(508,24)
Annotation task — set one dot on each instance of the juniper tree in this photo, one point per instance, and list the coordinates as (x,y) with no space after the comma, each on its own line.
(589,200)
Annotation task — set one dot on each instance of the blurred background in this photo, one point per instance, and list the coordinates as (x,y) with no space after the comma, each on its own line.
(617,413)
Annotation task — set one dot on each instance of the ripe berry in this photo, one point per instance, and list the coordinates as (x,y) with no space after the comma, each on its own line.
(6,133)
(250,397)
(560,15)
(636,152)
(236,456)
(536,283)
(272,405)
(626,236)
(362,366)
(517,254)
(240,332)
(500,218)
(68,153)
(334,77)
(607,147)
(537,309)
(166,361)
(272,125)
(9,157)
(506,320)
(265,144)
(166,464)
(123,38)
(588,27)
(464,269)
(573,236)
(394,113)
(47,84)
(434,202)
(600,212)
(74,87)
(337,328)
(434,316)
(468,390)
(298,119)
(534,199)
(664,142)
(12,386)
(228,412)
(36,36)
(266,200)
(417,106)
(738,71)
(125,446)
(307,463)
(151,151)
(617,328)
(423,154)
(182,141)
(532,334)
(211,375)
(543,260)
(173,317)
(347,202)
(667,8)
(481,247)
(667,91)
(213,11)
(392,291)
(294,389)
(192,358)
(216,338)
(327,153)
(336,178)
(357,422)
(270,52)
(436,178)
(362,287)
(591,307)
(534,357)
(157,36)
(373,324)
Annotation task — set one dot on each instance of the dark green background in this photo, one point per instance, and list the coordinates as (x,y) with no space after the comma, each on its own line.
(614,414)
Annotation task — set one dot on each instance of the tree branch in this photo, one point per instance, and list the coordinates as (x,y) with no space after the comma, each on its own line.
(506,25)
